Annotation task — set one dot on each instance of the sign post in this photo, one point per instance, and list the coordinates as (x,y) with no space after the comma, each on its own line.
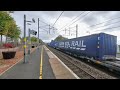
(29,39)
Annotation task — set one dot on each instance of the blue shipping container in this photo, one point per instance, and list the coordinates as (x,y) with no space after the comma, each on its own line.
(54,44)
(98,46)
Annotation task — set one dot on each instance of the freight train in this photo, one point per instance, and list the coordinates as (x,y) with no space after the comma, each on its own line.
(96,46)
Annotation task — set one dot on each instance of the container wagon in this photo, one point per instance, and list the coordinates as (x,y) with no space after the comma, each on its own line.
(53,44)
(97,46)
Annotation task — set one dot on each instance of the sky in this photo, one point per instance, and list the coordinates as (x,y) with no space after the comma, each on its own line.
(69,20)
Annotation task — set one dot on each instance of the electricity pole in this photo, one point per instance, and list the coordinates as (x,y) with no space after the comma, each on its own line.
(38,33)
(76,30)
(49,29)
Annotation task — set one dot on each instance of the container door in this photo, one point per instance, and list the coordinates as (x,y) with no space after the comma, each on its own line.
(107,46)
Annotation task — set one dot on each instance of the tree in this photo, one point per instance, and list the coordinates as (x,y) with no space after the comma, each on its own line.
(16,35)
(59,38)
(17,32)
(4,21)
(33,39)
(40,41)
(14,32)
(8,26)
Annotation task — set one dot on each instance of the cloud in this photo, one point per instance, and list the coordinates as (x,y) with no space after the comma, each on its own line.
(95,17)
(50,17)
(71,14)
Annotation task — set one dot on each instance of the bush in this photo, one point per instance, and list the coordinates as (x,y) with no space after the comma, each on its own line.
(8,45)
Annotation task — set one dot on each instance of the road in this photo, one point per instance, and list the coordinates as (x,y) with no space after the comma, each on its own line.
(31,69)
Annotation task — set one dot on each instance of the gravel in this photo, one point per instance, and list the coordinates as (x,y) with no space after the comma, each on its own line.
(97,74)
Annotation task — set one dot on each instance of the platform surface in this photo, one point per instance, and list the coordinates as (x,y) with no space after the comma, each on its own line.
(52,67)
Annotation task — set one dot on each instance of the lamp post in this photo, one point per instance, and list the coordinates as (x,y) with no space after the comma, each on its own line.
(24,38)
(33,21)
(76,30)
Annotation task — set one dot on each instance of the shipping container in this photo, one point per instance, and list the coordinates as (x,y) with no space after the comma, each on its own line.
(54,44)
(98,46)
(108,46)
(118,48)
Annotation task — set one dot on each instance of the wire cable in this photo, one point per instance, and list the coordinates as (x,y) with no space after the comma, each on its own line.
(108,28)
(43,22)
(107,24)
(73,19)
(58,18)
(80,18)
(102,22)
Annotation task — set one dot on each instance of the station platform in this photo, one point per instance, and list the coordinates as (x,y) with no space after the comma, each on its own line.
(42,64)
(60,70)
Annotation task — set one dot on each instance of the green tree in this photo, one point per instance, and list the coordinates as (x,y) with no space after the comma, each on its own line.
(33,39)
(4,22)
(16,35)
(8,26)
(18,32)
(59,38)
(40,41)
(14,32)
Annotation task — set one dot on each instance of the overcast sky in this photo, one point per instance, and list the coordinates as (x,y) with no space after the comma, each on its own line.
(86,19)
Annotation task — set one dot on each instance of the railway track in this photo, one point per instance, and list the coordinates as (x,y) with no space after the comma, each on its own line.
(81,69)
(77,69)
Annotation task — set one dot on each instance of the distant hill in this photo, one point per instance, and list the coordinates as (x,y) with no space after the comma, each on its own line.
(59,38)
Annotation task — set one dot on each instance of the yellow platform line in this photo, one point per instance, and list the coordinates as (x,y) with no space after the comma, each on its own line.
(41,63)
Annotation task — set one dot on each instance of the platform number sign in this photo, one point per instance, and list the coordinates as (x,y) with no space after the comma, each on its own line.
(33,32)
